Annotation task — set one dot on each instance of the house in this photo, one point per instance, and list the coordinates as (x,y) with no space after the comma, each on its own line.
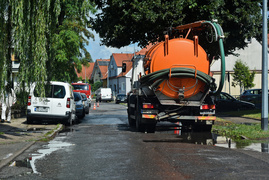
(100,71)
(251,55)
(119,83)
(86,72)
(124,79)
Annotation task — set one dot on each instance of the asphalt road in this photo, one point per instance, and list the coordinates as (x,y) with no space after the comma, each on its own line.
(102,146)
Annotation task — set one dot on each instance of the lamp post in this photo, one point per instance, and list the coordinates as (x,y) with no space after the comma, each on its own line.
(264,114)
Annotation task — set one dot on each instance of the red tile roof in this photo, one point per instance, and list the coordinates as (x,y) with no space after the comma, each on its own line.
(89,70)
(103,66)
(103,70)
(144,50)
(119,57)
(129,66)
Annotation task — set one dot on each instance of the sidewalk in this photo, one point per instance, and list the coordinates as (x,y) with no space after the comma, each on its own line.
(17,136)
(239,120)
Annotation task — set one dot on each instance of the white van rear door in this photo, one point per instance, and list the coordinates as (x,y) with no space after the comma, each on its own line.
(41,105)
(58,100)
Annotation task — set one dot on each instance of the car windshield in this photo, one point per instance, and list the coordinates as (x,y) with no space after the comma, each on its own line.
(226,97)
(77,96)
(80,87)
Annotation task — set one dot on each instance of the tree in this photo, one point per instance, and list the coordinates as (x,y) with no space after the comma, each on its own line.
(123,22)
(49,38)
(242,76)
(96,86)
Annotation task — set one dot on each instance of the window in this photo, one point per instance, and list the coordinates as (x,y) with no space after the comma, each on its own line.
(59,91)
(123,86)
(80,87)
(52,91)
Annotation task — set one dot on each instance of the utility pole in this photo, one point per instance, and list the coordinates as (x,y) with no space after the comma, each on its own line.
(264,114)
(85,74)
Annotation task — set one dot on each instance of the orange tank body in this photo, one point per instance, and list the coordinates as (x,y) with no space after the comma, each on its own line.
(178,53)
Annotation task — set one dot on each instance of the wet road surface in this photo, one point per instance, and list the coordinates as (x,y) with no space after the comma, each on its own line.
(102,146)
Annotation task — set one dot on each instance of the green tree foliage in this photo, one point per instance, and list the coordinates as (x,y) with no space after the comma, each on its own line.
(49,38)
(5,44)
(242,76)
(122,22)
(96,86)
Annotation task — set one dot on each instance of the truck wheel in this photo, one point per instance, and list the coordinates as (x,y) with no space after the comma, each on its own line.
(130,120)
(139,126)
(138,118)
(151,128)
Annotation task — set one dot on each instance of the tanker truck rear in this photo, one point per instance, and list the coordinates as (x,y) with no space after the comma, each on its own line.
(172,81)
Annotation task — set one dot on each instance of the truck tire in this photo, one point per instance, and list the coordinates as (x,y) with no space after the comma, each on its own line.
(138,118)
(131,121)
(139,126)
(130,111)
(151,128)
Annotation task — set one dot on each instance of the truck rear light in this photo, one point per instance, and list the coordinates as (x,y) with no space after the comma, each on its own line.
(68,103)
(148,106)
(206,106)
(29,101)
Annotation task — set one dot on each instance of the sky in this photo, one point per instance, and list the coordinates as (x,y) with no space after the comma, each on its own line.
(97,51)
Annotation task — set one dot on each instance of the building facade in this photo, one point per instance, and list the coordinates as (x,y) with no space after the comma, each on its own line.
(251,56)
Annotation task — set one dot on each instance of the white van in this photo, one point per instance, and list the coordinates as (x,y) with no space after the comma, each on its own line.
(58,105)
(104,94)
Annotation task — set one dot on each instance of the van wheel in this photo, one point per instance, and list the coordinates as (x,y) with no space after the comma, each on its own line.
(69,121)
(29,120)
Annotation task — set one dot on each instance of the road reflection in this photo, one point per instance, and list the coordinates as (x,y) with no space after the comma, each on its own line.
(208,138)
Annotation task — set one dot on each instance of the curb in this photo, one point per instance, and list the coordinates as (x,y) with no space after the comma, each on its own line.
(6,161)
(9,159)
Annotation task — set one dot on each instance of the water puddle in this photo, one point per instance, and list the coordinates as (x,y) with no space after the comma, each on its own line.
(207,138)
(53,145)
(222,141)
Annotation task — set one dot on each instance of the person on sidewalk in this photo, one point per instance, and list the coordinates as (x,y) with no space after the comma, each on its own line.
(7,99)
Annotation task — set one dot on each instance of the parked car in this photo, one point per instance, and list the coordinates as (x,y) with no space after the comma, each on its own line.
(80,111)
(121,98)
(85,103)
(103,94)
(226,102)
(252,95)
(57,105)
(83,88)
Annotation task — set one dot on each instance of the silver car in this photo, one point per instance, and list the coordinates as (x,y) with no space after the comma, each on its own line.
(85,103)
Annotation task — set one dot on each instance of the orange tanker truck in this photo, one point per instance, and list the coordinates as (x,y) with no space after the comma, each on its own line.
(172,81)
